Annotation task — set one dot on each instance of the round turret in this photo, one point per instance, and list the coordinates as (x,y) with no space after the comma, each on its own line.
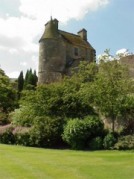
(52,53)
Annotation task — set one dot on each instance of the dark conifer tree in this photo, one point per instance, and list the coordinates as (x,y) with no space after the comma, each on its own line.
(35,78)
(30,79)
(20,82)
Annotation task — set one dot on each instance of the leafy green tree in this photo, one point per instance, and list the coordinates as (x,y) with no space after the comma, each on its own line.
(7,93)
(111,89)
(128,116)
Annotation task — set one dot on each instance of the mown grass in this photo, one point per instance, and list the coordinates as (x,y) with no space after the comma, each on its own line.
(33,163)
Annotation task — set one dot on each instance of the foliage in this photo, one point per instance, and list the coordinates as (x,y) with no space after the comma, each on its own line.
(78,132)
(109,141)
(58,99)
(6,135)
(20,82)
(103,89)
(86,72)
(22,139)
(27,83)
(128,116)
(74,105)
(96,143)
(7,94)
(3,118)
(24,116)
(128,128)
(125,143)
(46,132)
(30,81)
(111,89)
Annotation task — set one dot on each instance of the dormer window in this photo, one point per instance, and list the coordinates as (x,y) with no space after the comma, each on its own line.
(76,51)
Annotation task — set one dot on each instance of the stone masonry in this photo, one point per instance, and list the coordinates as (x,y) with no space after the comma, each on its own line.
(60,51)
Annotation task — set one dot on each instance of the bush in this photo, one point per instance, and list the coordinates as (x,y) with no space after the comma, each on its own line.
(46,132)
(109,141)
(95,126)
(96,143)
(3,118)
(23,139)
(6,135)
(23,116)
(128,128)
(22,136)
(77,133)
(125,143)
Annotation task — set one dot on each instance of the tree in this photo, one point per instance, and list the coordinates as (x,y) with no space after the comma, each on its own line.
(128,116)
(31,79)
(7,94)
(20,83)
(111,89)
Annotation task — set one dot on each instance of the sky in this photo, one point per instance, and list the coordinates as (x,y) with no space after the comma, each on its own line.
(109,24)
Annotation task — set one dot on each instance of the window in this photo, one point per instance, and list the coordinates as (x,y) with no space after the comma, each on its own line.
(76,51)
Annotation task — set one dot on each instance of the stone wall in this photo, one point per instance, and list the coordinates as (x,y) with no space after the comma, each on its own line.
(60,51)
(52,60)
(129,61)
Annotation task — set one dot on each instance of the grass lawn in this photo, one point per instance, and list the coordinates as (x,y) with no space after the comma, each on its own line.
(32,163)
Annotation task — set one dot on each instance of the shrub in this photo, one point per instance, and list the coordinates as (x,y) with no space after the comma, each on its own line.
(75,133)
(96,143)
(3,118)
(109,141)
(95,126)
(128,128)
(22,136)
(125,143)
(6,135)
(23,139)
(46,132)
(78,132)
(23,116)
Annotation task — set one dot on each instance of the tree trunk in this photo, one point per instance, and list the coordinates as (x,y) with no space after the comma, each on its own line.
(113,124)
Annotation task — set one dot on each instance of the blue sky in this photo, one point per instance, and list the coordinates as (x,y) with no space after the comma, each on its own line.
(109,27)
(109,24)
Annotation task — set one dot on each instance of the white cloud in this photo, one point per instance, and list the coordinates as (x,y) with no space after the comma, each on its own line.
(119,53)
(62,10)
(13,51)
(122,51)
(104,57)
(23,63)
(13,74)
(19,35)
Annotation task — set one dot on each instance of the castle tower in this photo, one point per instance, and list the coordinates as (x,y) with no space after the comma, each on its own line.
(60,52)
(51,54)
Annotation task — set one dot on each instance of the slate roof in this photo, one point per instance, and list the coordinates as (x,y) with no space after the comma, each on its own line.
(75,39)
(52,32)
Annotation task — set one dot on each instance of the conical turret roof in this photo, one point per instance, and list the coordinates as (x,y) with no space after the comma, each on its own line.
(51,30)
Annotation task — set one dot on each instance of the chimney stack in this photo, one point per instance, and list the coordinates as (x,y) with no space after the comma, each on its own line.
(83,34)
